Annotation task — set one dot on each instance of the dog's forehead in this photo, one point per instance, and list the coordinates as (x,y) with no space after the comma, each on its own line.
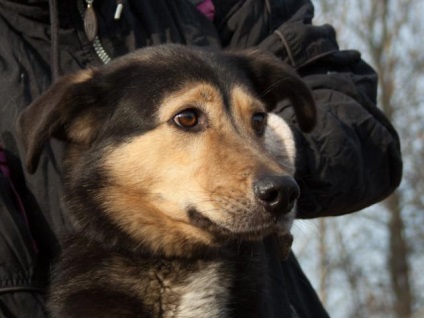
(169,68)
(236,101)
(150,78)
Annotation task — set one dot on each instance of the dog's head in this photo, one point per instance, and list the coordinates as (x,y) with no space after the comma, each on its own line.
(172,147)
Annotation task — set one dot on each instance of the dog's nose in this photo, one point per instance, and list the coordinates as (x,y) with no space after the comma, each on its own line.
(276,193)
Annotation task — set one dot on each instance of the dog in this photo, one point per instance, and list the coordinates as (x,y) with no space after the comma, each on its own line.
(175,172)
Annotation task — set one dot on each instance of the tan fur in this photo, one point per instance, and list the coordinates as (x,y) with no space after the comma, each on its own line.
(81,130)
(82,76)
(246,105)
(156,177)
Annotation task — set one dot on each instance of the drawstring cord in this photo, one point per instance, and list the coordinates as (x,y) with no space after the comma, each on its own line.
(54,38)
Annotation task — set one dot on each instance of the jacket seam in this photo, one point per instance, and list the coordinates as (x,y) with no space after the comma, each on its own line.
(286,45)
(21,289)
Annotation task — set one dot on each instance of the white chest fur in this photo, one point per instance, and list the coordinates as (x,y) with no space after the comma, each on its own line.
(204,294)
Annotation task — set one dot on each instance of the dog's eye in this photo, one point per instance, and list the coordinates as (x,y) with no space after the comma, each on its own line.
(188,118)
(259,123)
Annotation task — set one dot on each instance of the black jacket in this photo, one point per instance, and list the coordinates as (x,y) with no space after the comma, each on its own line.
(350,161)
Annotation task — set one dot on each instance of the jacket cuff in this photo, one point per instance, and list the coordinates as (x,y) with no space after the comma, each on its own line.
(305,44)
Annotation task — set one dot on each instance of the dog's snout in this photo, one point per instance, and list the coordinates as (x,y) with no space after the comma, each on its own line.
(276,193)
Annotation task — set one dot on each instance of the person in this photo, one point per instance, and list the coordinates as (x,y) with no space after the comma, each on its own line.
(351,160)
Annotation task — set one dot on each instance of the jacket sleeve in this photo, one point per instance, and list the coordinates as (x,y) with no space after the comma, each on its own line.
(352,159)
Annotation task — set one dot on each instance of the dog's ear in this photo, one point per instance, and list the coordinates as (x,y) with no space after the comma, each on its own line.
(64,111)
(275,81)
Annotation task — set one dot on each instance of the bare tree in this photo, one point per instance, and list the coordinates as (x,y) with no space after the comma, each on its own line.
(380,22)
(323,261)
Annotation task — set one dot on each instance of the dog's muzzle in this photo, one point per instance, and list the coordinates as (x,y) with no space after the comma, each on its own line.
(277,194)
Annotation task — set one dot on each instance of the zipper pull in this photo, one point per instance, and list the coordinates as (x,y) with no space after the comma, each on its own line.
(90,21)
(119,7)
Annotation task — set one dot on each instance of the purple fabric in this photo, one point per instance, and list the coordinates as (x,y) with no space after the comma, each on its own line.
(207,8)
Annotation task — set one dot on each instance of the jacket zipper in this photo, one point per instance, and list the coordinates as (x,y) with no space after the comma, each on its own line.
(97,45)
